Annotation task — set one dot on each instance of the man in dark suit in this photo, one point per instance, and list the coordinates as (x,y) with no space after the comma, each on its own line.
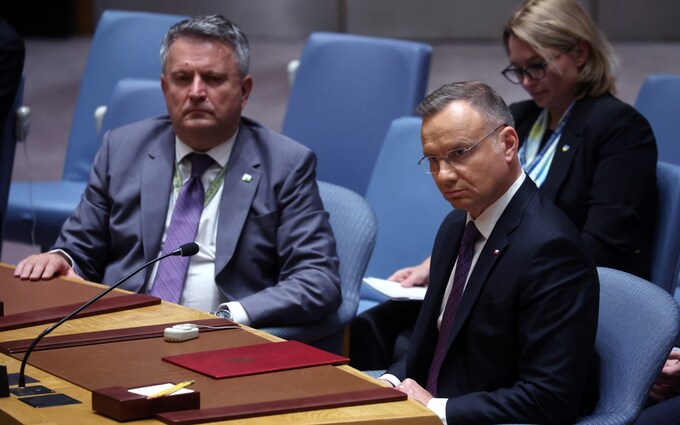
(507,329)
(267,253)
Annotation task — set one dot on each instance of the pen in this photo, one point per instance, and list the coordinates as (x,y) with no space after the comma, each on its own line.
(171,390)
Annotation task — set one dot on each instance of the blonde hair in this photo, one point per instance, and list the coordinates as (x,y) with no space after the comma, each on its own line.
(561,25)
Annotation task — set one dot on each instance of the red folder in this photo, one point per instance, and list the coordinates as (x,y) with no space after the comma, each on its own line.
(253,359)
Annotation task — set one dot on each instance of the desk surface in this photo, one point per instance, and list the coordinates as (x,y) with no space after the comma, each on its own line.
(12,411)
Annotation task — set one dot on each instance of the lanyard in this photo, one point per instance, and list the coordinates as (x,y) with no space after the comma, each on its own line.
(212,189)
(539,165)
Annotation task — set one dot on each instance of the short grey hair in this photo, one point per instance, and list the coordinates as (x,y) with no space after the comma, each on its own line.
(212,27)
(480,96)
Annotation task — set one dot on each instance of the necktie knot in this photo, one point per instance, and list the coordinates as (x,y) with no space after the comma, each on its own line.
(199,163)
(471,234)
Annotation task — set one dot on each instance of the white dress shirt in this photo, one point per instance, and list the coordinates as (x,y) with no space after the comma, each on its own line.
(200,290)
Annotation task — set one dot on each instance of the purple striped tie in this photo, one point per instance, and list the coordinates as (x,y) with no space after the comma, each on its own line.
(172,271)
(465,255)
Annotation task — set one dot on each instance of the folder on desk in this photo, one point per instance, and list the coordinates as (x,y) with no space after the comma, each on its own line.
(254,359)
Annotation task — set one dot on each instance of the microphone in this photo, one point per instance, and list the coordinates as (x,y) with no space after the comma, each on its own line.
(186,250)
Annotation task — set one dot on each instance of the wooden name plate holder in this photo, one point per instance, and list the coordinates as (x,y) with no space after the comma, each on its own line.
(37,303)
(120,404)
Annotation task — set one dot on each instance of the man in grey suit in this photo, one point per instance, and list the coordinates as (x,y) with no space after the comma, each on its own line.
(267,253)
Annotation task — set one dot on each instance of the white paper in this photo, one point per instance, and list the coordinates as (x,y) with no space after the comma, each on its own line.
(394,290)
(153,389)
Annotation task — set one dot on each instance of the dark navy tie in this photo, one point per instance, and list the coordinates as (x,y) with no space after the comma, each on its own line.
(465,255)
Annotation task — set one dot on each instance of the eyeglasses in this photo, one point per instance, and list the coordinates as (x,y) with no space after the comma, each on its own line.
(454,158)
(516,74)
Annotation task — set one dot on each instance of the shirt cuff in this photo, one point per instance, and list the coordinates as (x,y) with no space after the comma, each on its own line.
(238,313)
(63,254)
(391,379)
(438,406)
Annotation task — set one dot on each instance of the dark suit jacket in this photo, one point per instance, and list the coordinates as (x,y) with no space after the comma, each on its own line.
(603,177)
(523,338)
(275,249)
(12,55)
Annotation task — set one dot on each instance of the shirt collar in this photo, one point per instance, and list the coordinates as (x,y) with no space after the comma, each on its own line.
(487,219)
(219,153)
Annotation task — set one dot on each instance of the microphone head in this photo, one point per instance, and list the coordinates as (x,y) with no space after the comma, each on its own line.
(188,249)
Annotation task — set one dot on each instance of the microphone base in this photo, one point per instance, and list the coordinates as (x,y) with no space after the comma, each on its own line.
(32,390)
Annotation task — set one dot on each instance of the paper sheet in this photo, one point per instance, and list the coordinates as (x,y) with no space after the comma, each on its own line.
(394,290)
(153,389)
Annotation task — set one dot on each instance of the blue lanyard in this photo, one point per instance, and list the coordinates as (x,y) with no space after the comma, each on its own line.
(552,140)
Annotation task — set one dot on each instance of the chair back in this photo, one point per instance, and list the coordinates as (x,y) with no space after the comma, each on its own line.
(406,201)
(666,247)
(638,323)
(347,91)
(659,101)
(133,99)
(125,44)
(355,228)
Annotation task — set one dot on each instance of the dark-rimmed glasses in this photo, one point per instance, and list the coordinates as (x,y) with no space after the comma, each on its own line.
(515,74)
(454,158)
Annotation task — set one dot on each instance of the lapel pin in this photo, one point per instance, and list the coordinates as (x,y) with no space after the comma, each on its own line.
(565,148)
(247,177)
(496,251)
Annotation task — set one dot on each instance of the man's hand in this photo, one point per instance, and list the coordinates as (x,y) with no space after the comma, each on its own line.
(413,276)
(415,391)
(668,382)
(44,267)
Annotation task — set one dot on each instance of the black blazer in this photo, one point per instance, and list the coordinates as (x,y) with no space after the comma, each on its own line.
(603,177)
(523,339)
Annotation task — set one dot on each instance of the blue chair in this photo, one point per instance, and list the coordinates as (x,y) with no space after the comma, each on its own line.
(659,101)
(347,91)
(14,129)
(638,323)
(125,44)
(133,99)
(354,226)
(407,204)
(666,248)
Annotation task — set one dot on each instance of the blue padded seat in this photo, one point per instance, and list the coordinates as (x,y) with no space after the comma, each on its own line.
(354,226)
(407,204)
(659,101)
(347,90)
(666,247)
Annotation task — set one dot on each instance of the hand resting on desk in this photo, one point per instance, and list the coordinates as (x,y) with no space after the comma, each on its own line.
(44,266)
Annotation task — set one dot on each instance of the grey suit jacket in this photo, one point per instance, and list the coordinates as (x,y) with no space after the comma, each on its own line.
(276,252)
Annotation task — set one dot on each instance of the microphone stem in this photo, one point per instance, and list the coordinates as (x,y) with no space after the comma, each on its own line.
(22,377)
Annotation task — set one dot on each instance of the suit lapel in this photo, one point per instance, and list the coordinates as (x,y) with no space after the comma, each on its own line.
(158,168)
(567,146)
(240,185)
(498,240)
(442,272)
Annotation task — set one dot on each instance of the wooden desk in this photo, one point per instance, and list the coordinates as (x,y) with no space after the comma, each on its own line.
(13,411)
